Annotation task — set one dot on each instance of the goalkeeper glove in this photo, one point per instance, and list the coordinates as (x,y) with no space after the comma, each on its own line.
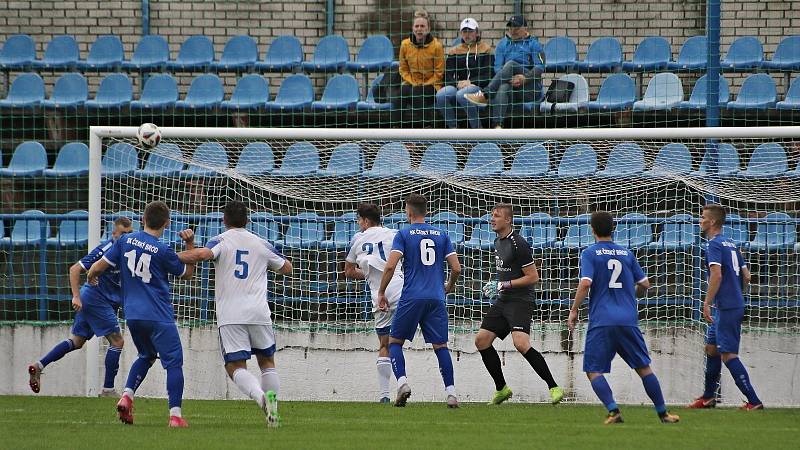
(492,288)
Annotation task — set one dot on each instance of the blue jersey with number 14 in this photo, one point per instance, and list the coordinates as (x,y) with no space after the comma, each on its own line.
(425,249)
(144,263)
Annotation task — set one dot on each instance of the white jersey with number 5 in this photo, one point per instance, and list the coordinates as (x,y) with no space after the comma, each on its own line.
(241,263)
(369,250)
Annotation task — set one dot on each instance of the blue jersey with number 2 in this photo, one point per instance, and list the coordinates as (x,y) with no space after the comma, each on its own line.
(425,249)
(614,272)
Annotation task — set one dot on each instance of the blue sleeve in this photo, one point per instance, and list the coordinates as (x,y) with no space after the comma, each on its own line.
(172,264)
(587,266)
(399,243)
(714,254)
(114,254)
(638,273)
(500,55)
(538,55)
(94,255)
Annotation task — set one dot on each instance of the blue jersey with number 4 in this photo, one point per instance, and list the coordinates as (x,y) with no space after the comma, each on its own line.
(724,253)
(425,249)
(614,272)
(144,263)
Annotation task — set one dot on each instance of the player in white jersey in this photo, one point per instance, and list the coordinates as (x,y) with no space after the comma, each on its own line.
(365,261)
(241,261)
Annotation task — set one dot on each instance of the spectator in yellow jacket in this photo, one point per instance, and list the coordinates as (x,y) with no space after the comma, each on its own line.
(421,68)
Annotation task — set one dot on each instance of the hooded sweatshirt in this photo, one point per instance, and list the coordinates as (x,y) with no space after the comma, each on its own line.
(422,63)
(471,62)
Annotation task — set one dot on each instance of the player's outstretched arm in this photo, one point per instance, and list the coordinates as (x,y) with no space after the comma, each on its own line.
(188,239)
(388,273)
(580,296)
(196,255)
(352,271)
(455,272)
(96,270)
(75,285)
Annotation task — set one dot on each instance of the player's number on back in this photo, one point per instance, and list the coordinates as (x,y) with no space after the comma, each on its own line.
(735,262)
(427,252)
(369,247)
(242,268)
(140,268)
(616,269)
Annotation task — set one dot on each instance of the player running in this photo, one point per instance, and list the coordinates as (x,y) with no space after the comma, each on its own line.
(615,278)
(424,249)
(144,262)
(96,315)
(366,260)
(513,311)
(241,261)
(728,276)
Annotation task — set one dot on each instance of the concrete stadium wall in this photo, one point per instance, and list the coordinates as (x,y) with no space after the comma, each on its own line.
(314,367)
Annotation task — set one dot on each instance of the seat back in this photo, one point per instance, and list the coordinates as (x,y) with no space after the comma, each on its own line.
(70,87)
(793,94)
(346,159)
(531,160)
(341,88)
(451,223)
(700,91)
(578,160)
(653,49)
(626,158)
(633,234)
(29,155)
(539,234)
(27,87)
(205,89)
(120,157)
(344,229)
(262,225)
(62,49)
(781,232)
(296,88)
(375,49)
(679,230)
(438,159)
(165,158)
(305,230)
(768,159)
(256,159)
(744,50)
(75,229)
(482,233)
(664,89)
(106,49)
(301,158)
(693,51)
(114,88)
(788,50)
(331,49)
(209,154)
(196,50)
(484,159)
(580,93)
(396,221)
(617,87)
(210,226)
(560,50)
(738,232)
(151,49)
(727,160)
(72,156)
(19,48)
(159,88)
(392,159)
(604,50)
(757,88)
(28,229)
(238,50)
(251,88)
(674,159)
(284,49)
(579,234)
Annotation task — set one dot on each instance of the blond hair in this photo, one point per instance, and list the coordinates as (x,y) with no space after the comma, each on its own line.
(422,14)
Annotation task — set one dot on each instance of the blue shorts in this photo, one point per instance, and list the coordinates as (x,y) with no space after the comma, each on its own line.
(97,317)
(726,330)
(160,339)
(602,343)
(429,314)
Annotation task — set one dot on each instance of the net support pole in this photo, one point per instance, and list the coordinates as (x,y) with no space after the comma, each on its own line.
(92,346)
(712,87)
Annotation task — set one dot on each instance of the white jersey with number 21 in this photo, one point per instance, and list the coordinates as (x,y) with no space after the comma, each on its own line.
(369,250)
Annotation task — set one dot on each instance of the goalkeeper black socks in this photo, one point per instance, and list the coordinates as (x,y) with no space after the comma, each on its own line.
(536,360)
(492,362)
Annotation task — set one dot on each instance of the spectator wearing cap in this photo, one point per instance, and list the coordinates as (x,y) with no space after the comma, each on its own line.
(518,66)
(468,68)
(421,68)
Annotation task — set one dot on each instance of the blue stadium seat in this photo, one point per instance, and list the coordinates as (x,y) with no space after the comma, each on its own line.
(265,229)
(577,98)
(210,226)
(560,54)
(482,236)
(120,159)
(652,54)
(29,160)
(604,55)
(485,159)
(792,99)
(18,52)
(679,233)
(693,55)
(768,160)
(632,234)
(331,55)
(617,92)
(738,232)
(673,159)
(196,54)
(252,92)
(786,56)
(295,93)
(256,159)
(72,232)
(727,161)
(396,221)
(160,92)
(72,161)
(61,54)
(698,98)
(539,235)
(152,53)
(284,55)
(176,225)
(304,231)
(757,92)
(115,92)
(70,91)
(301,158)
(240,54)
(345,161)
(211,154)
(744,53)
(164,161)
(27,231)
(532,160)
(439,159)
(341,92)
(579,160)
(626,160)
(780,234)
(205,92)
(370,104)
(26,91)
(376,54)
(106,53)
(343,231)
(664,92)
(392,160)
(451,223)
(579,235)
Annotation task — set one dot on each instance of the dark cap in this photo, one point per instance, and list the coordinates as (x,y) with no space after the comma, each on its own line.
(517,21)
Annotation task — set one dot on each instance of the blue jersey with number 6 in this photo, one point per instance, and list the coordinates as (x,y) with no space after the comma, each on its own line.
(425,249)
(724,253)
(144,263)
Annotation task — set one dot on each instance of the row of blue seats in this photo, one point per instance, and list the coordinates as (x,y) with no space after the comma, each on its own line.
(393,159)
(777,231)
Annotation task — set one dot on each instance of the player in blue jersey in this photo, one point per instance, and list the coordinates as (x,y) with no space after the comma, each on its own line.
(96,315)
(728,276)
(144,263)
(424,249)
(615,278)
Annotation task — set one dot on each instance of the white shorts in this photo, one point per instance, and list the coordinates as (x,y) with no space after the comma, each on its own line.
(239,342)
(383,319)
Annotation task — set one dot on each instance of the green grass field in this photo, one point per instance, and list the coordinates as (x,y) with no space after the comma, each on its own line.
(65,423)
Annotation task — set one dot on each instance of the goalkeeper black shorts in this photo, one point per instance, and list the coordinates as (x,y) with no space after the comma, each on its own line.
(507,316)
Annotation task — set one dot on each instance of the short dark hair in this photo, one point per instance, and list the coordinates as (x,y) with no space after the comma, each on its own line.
(507,207)
(235,214)
(123,221)
(602,223)
(369,211)
(717,213)
(418,204)
(156,215)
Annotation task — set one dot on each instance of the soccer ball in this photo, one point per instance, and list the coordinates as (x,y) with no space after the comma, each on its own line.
(149,135)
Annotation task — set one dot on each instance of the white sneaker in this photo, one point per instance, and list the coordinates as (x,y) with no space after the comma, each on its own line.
(403,393)
(108,392)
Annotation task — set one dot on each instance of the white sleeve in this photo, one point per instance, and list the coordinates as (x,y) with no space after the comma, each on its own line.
(352,254)
(274,260)
(216,245)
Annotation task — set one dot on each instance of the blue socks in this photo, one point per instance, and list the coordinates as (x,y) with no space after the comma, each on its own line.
(653,389)
(445,366)
(713,370)
(175,386)
(137,373)
(398,360)
(742,380)
(603,391)
(112,366)
(58,352)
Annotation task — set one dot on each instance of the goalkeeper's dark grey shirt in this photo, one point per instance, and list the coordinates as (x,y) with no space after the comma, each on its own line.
(511,254)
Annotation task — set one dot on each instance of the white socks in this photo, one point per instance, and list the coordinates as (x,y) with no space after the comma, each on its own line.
(402,380)
(269,380)
(128,392)
(384,375)
(175,411)
(248,384)
(450,390)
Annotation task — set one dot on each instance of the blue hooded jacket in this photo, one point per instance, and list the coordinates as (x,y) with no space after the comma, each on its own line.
(527,51)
